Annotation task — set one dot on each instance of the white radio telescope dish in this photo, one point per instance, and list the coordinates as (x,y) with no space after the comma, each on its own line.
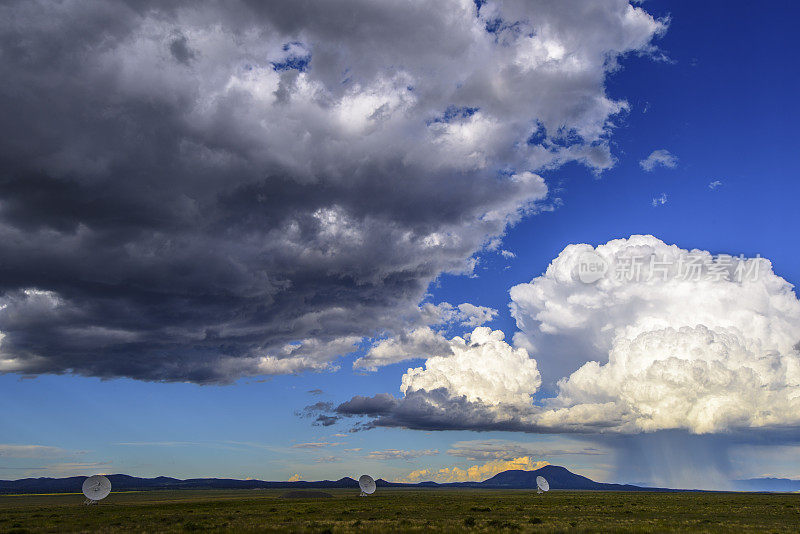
(542,485)
(367,485)
(96,488)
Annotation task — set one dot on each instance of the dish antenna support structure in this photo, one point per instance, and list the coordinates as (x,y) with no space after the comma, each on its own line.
(367,485)
(96,488)
(542,485)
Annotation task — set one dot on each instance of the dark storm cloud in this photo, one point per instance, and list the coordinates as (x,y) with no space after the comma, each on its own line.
(173,207)
(180,50)
(423,410)
(439,410)
(380,404)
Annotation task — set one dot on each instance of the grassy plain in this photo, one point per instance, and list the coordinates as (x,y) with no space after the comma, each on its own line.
(401,510)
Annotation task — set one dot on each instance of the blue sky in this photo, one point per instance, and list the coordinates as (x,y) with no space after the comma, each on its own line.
(722,102)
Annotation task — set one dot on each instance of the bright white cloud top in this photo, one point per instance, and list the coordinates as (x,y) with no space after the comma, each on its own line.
(697,379)
(483,369)
(673,338)
(664,338)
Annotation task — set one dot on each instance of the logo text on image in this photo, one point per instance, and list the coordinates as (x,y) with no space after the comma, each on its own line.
(591,267)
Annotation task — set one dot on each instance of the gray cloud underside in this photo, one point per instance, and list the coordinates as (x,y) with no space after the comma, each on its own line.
(439,410)
(199,192)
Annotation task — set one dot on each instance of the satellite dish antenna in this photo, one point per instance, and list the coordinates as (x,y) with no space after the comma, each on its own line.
(367,485)
(542,485)
(96,488)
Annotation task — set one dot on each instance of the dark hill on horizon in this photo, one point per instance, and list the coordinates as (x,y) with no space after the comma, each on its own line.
(558,477)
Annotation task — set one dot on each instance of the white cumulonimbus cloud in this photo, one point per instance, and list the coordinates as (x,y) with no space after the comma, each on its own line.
(691,378)
(482,368)
(667,338)
(648,286)
(631,336)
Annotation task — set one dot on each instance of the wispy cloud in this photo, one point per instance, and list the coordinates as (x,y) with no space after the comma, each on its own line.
(62,468)
(78,467)
(508,450)
(163,443)
(317,410)
(400,454)
(228,445)
(327,459)
(714,185)
(661,157)
(315,445)
(660,200)
(32,451)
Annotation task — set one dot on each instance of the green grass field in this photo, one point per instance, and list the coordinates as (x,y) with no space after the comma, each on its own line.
(399,510)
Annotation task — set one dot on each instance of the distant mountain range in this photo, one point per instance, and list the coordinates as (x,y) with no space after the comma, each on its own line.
(768,484)
(558,477)
(129,483)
